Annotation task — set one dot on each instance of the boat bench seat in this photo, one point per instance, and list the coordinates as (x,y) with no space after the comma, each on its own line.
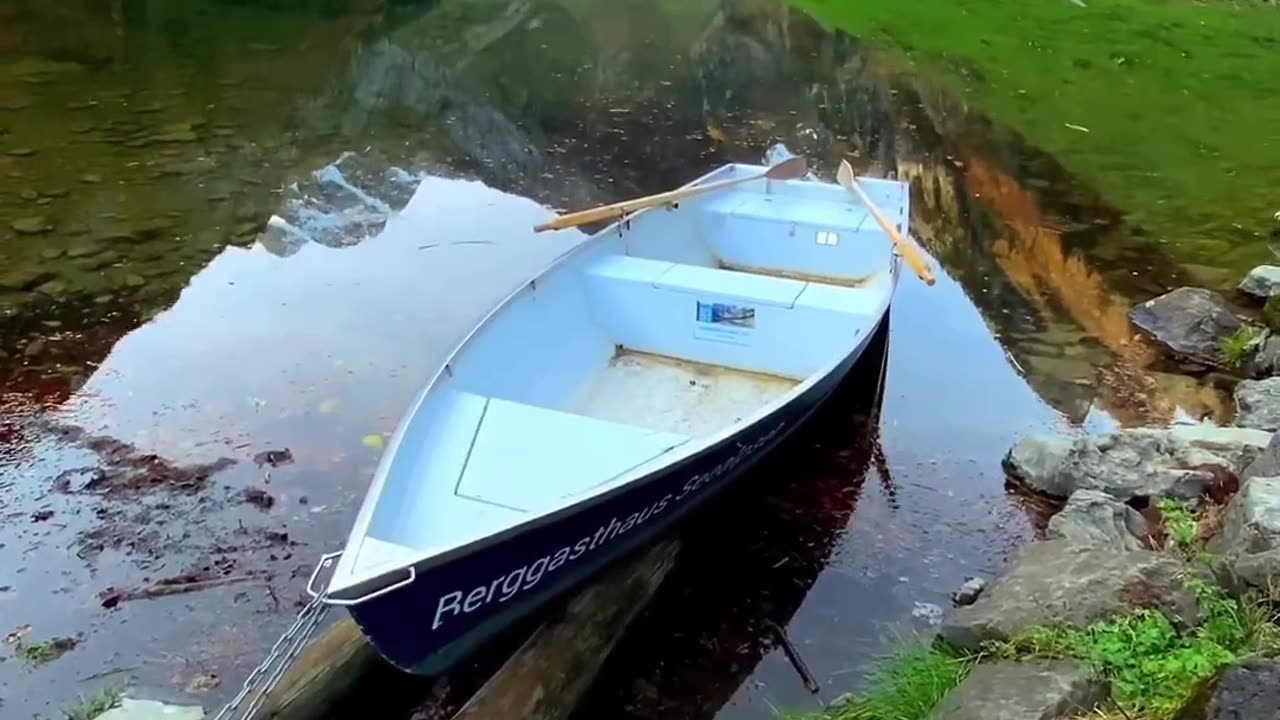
(751,322)
(528,458)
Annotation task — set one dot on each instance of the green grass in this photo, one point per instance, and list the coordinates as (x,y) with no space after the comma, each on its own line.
(94,705)
(1235,348)
(905,686)
(1152,667)
(1179,524)
(1180,99)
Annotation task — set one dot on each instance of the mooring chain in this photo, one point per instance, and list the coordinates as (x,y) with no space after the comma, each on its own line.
(282,654)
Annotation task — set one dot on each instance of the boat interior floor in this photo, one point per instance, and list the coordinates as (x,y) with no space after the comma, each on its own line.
(673,395)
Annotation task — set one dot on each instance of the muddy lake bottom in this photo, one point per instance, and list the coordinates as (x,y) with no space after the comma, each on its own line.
(193,404)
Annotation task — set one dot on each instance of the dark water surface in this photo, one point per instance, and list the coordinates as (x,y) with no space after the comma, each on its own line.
(154,343)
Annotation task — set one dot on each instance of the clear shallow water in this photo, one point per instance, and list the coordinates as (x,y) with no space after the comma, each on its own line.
(143,311)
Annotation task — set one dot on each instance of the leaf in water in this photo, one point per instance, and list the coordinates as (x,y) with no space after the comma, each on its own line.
(328,406)
(373,442)
(257,403)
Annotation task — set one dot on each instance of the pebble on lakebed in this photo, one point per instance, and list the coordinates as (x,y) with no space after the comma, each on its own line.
(34,225)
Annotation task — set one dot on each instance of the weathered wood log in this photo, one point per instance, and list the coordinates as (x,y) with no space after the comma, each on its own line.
(329,666)
(545,678)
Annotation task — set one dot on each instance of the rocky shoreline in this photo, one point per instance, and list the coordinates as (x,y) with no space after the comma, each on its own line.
(1154,592)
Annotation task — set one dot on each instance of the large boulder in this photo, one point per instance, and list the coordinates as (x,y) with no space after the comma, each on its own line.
(1190,322)
(1262,282)
(1059,581)
(1249,690)
(1258,404)
(1096,518)
(1182,461)
(1250,537)
(1024,690)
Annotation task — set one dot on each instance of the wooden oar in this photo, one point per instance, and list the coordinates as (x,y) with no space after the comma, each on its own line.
(789,169)
(909,253)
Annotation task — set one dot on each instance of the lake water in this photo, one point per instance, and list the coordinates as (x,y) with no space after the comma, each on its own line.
(154,344)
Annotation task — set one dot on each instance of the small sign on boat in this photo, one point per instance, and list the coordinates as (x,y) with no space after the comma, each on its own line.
(724,322)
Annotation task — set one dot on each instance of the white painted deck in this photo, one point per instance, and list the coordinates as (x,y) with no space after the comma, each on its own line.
(639,348)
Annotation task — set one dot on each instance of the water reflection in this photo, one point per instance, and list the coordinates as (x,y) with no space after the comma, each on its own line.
(153,304)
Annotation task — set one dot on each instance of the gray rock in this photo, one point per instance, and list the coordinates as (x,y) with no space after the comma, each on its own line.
(1250,537)
(1095,518)
(1024,690)
(1262,281)
(1190,322)
(1249,690)
(1266,464)
(1258,404)
(1181,461)
(1266,362)
(969,592)
(1061,581)
(130,709)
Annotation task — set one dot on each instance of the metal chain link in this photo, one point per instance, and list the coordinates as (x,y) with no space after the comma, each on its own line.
(282,655)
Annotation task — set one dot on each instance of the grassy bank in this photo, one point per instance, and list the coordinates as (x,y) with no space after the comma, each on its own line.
(1168,108)
(1152,667)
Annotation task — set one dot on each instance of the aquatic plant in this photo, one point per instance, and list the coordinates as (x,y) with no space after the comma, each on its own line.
(94,705)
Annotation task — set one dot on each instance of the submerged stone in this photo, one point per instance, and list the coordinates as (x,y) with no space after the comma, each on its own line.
(34,225)
(22,152)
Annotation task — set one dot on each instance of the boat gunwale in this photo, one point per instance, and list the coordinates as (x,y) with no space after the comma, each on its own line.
(346,587)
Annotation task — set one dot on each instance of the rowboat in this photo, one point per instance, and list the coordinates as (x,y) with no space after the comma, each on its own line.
(608,396)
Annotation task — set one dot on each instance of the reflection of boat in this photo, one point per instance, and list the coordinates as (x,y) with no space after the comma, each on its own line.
(599,403)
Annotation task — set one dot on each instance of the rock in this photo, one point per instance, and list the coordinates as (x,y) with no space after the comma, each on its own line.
(91,178)
(1262,281)
(130,709)
(1024,690)
(1060,581)
(969,591)
(29,195)
(1250,537)
(1249,690)
(1190,322)
(52,287)
(1271,313)
(22,152)
(1267,464)
(34,225)
(33,348)
(23,278)
(51,253)
(1258,404)
(1095,518)
(1182,461)
(1266,362)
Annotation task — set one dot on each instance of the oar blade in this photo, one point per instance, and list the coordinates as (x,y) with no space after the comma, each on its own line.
(844,175)
(793,168)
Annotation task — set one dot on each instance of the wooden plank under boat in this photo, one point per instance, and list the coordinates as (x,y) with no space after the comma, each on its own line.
(600,402)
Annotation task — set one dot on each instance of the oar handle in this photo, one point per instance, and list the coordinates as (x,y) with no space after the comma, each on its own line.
(908,251)
(618,210)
